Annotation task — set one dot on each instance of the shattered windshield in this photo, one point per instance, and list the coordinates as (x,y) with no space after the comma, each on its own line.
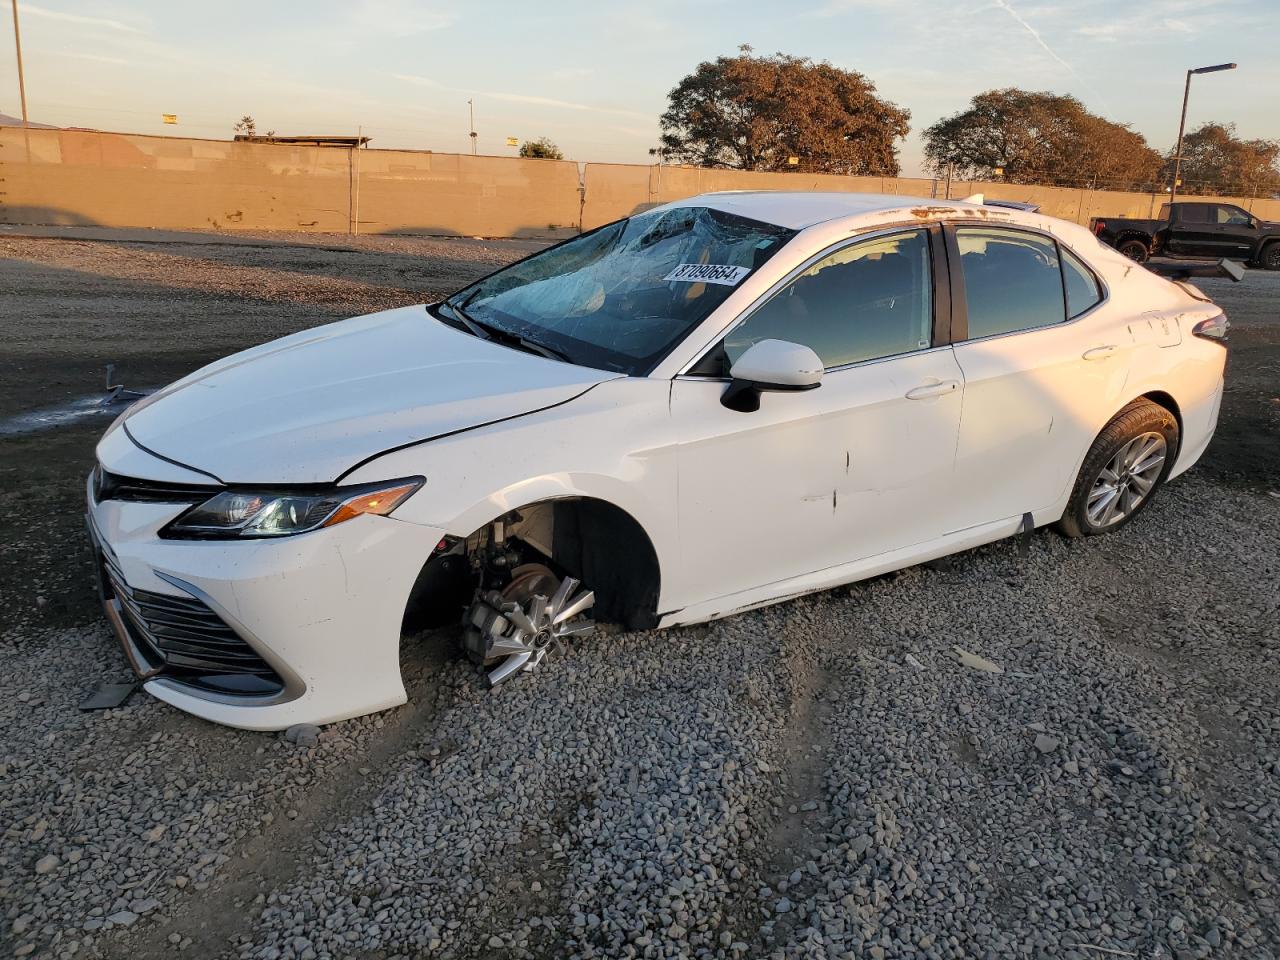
(619,298)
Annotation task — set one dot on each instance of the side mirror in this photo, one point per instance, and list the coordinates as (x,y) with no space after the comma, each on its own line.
(770,365)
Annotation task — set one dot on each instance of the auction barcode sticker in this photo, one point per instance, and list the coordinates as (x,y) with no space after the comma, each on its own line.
(708,273)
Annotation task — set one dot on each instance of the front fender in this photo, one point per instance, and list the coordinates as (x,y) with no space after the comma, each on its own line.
(614,444)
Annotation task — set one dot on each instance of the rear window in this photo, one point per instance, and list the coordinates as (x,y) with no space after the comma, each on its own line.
(1012,280)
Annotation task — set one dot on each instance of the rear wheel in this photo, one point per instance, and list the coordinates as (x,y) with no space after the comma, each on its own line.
(1124,468)
(1134,249)
(1270,258)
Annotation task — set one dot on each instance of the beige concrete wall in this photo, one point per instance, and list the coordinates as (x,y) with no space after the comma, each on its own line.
(616,190)
(126,180)
(439,193)
(131,180)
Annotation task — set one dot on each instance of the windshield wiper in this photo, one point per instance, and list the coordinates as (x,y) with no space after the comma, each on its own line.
(550,352)
(475,329)
(487,331)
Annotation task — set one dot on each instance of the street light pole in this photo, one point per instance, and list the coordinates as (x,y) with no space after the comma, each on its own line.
(472,105)
(17,43)
(1182,124)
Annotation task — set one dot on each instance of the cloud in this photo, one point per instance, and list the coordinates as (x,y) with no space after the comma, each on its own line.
(1035,34)
(28,10)
(834,8)
(96,58)
(1137,29)
(400,17)
(521,98)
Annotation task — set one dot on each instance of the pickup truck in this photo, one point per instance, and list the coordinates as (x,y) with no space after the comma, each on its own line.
(1194,229)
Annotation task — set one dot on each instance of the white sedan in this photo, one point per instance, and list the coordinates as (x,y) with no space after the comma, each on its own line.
(707,407)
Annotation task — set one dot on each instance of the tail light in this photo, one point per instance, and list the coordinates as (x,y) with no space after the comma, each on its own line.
(1099,226)
(1215,328)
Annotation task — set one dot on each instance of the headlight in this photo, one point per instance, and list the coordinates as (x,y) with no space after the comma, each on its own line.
(277,513)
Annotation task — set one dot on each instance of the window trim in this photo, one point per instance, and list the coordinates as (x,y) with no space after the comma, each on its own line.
(960,303)
(941,298)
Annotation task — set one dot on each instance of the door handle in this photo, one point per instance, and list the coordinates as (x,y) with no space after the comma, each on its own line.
(1099,353)
(936,389)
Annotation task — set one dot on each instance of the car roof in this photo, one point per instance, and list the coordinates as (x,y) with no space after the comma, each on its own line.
(796,209)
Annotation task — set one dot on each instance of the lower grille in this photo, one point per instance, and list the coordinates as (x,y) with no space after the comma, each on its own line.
(183,639)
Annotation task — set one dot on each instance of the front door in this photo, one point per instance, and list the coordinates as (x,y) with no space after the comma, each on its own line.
(860,466)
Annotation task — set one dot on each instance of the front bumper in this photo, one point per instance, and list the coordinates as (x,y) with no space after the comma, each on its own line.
(313,619)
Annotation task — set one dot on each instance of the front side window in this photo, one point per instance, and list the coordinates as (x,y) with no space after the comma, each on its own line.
(1232,216)
(621,297)
(868,300)
(1012,280)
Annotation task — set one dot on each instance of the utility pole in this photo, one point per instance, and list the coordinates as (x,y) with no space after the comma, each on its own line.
(17,43)
(1182,125)
(472,105)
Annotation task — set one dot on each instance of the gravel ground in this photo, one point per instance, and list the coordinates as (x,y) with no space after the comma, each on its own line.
(823,778)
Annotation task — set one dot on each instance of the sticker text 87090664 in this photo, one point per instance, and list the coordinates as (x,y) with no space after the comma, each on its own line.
(720,273)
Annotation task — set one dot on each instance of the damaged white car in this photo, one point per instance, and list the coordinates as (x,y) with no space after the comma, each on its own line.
(707,407)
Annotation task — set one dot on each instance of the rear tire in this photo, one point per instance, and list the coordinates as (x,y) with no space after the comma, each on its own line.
(1270,258)
(1123,470)
(1135,250)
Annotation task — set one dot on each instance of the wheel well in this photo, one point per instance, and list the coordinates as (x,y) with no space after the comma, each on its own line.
(1165,400)
(1126,236)
(609,551)
(589,539)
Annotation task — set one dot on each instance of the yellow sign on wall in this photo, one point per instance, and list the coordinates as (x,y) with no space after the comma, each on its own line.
(169,117)
(513,142)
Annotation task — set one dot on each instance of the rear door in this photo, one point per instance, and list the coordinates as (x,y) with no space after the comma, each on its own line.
(1193,231)
(1044,367)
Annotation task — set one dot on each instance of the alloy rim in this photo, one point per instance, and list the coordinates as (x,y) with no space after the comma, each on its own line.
(1127,480)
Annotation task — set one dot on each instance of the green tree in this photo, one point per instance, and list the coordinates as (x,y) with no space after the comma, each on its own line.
(754,113)
(1040,138)
(541,149)
(1217,162)
(249,127)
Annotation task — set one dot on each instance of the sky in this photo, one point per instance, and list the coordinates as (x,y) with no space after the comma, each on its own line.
(593,75)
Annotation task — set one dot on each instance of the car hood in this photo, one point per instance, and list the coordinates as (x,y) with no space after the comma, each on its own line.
(309,407)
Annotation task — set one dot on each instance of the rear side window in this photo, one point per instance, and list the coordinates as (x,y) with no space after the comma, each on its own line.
(1194,212)
(1082,287)
(1012,280)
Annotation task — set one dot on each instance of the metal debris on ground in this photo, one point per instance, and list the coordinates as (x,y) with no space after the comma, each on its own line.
(116,392)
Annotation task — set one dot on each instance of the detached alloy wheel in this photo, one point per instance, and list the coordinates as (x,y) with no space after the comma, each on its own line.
(1124,468)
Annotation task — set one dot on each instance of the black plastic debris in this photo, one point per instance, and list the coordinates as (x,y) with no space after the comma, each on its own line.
(108,695)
